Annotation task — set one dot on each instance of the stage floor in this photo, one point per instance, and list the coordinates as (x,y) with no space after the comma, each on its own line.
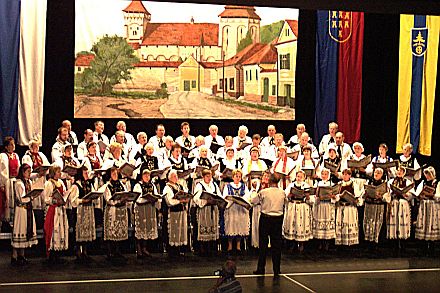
(195,274)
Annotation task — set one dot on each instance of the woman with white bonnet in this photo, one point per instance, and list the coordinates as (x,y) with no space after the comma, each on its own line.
(428,221)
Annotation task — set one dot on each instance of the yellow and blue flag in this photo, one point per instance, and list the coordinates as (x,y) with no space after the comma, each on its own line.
(418,56)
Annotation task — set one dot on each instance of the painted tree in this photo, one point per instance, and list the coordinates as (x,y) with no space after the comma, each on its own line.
(271,32)
(245,42)
(114,59)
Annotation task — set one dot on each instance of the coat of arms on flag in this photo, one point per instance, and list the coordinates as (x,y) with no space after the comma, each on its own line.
(419,37)
(339,51)
(418,59)
(340,25)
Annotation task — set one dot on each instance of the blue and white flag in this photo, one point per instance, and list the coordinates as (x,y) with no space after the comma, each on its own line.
(22,57)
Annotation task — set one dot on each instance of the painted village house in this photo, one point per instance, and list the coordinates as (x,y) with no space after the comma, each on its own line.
(82,62)
(245,73)
(184,55)
(264,72)
(260,72)
(287,48)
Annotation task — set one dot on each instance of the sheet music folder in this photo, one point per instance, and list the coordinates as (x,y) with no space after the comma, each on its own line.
(42,168)
(372,191)
(93,195)
(125,196)
(56,195)
(220,201)
(72,170)
(34,193)
(348,197)
(151,197)
(359,164)
(240,201)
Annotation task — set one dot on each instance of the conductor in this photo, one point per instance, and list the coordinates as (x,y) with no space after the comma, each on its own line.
(271,221)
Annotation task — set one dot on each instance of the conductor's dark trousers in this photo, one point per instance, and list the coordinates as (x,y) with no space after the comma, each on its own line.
(270,226)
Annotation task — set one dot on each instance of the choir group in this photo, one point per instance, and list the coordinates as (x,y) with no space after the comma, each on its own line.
(192,192)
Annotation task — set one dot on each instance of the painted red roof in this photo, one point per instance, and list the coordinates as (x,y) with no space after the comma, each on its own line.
(211,64)
(235,11)
(244,54)
(266,55)
(135,46)
(285,42)
(136,6)
(158,64)
(268,70)
(293,26)
(84,59)
(181,34)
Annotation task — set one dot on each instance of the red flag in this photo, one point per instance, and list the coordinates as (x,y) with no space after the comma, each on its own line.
(349,97)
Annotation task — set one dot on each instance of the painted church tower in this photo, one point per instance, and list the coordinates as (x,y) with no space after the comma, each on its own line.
(235,22)
(136,19)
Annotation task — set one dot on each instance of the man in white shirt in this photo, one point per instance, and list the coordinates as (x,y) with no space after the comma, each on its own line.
(343,149)
(72,139)
(305,141)
(163,154)
(82,147)
(195,153)
(186,140)
(294,140)
(129,140)
(271,221)
(241,137)
(271,151)
(158,140)
(119,137)
(58,147)
(138,149)
(328,138)
(98,135)
(270,138)
(213,137)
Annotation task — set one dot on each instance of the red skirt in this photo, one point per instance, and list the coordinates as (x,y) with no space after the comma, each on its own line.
(48,227)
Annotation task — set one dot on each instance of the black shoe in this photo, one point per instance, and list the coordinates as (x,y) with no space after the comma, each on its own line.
(14,262)
(259,272)
(276,274)
(22,260)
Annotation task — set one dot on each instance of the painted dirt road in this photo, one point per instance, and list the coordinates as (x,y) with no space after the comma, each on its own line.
(116,107)
(185,105)
(199,105)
